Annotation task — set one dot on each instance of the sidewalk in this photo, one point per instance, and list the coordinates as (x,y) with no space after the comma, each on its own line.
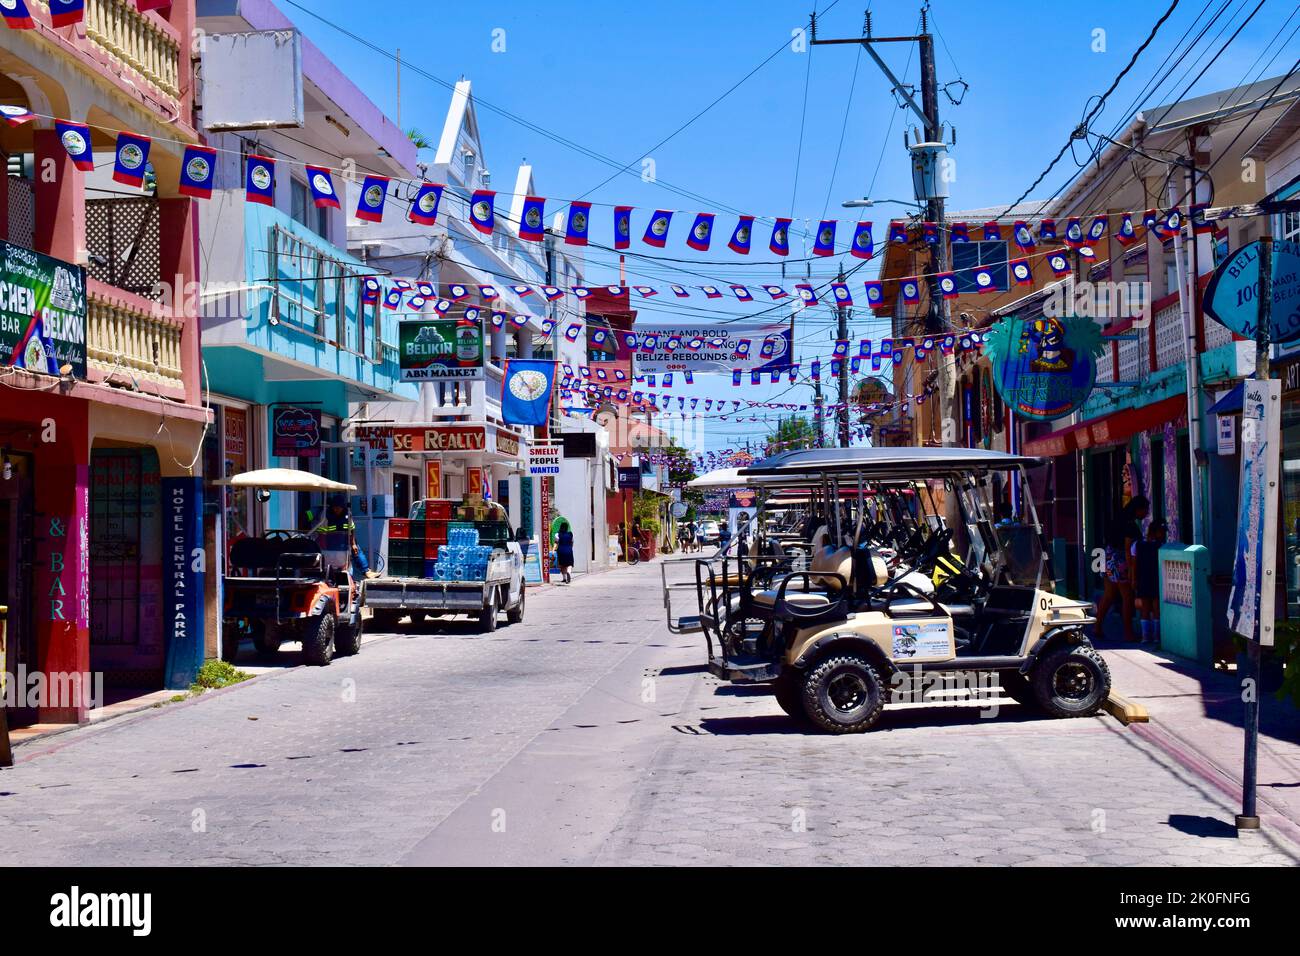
(1196,717)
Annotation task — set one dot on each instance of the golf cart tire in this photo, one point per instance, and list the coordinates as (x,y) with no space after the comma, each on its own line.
(347,638)
(788,692)
(318,639)
(487,618)
(229,642)
(267,641)
(1047,692)
(385,620)
(817,685)
(516,614)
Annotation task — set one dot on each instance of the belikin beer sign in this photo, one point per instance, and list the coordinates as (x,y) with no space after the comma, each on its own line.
(439,350)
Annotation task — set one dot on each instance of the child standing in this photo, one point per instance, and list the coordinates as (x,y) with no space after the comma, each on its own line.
(1145,568)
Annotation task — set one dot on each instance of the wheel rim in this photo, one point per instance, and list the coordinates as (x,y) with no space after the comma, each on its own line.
(1072,681)
(847,692)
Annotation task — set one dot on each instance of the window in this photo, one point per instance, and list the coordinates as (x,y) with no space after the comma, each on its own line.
(968,256)
(305,212)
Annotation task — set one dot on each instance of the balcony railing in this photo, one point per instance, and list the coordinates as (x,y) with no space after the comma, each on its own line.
(130,340)
(146,44)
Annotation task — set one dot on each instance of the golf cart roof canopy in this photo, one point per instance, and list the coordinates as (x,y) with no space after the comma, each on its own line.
(732,478)
(887,463)
(283,479)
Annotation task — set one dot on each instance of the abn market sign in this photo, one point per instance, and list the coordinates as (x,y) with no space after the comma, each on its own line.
(439,350)
(1044,368)
(42,312)
(1232,295)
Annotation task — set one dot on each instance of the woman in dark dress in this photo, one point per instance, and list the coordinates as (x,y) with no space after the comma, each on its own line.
(564,551)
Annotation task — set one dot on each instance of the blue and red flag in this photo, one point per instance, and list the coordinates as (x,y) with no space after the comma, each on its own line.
(742,236)
(131,159)
(1023,235)
(947,283)
(16,116)
(1073,232)
(992,231)
(1097,229)
(16,15)
(1020,272)
(370,204)
(656,230)
(806,293)
(259,180)
(622,227)
(1047,229)
(910,289)
(370,290)
(680,291)
(1126,235)
(984,279)
(701,233)
(824,245)
(424,208)
(959,232)
(552,293)
(75,138)
(897,231)
(322,189)
(1059,263)
(64,13)
(198,172)
(742,294)
(776,292)
(780,243)
(930,233)
(711,292)
(842,294)
(863,246)
(1200,225)
(579,224)
(393,299)
(875,293)
(457,291)
(532,220)
(482,212)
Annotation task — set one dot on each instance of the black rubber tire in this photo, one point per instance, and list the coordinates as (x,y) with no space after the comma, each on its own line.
(385,621)
(822,680)
(788,691)
(516,614)
(1071,681)
(347,637)
(267,642)
(229,642)
(487,618)
(1016,686)
(318,639)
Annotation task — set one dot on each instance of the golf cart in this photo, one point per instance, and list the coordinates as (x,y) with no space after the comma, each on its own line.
(897,592)
(281,586)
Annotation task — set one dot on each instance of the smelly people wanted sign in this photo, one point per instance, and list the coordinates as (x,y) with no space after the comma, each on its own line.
(440,350)
(42,312)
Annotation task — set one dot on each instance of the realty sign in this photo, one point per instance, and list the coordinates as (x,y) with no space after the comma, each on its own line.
(440,350)
(545,459)
(42,312)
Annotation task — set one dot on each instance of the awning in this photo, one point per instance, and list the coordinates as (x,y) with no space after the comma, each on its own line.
(1108,430)
(283,479)
(1231,403)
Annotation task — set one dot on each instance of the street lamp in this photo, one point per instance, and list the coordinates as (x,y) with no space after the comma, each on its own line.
(866,203)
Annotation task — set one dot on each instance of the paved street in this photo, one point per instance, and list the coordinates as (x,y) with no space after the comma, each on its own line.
(588,734)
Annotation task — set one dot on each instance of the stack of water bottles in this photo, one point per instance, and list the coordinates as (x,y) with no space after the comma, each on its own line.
(462,558)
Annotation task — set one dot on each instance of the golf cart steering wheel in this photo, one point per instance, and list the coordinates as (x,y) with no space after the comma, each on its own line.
(936,546)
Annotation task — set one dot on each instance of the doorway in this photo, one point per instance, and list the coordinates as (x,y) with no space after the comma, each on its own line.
(17,560)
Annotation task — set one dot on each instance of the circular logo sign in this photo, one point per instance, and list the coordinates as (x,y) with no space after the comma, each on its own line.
(1044,368)
(323,184)
(197,169)
(528,385)
(261,177)
(374,196)
(861,240)
(73,141)
(131,156)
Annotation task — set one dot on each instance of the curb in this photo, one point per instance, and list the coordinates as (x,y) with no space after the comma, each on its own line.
(1124,710)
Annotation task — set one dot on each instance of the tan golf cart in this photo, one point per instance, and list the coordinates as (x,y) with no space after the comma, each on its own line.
(916,581)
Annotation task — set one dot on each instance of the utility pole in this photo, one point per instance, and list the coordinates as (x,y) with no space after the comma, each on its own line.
(928,113)
(818,414)
(842,334)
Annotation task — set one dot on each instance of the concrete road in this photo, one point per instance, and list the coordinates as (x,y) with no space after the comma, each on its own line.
(589,734)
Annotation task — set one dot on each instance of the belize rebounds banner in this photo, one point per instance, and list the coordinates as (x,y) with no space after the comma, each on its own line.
(769,347)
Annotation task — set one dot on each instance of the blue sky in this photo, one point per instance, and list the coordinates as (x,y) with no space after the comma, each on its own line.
(619,77)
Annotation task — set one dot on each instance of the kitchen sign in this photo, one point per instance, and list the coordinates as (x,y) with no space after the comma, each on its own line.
(439,350)
(42,312)
(545,459)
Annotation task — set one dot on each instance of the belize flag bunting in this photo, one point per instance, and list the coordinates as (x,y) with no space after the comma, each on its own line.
(776,292)
(66,12)
(498,320)
(875,293)
(780,243)
(680,291)
(1200,225)
(984,280)
(1047,229)
(322,188)
(488,293)
(442,306)
(959,232)
(426,289)
(1073,232)
(825,244)
(646,291)
(1020,272)
(526,399)
(393,299)
(742,348)
(370,290)
(370,205)
(1097,229)
(1023,235)
(841,348)
(259,180)
(911,291)
(947,283)
(656,230)
(16,116)
(617,291)
(1126,235)
(198,172)
(571,333)
(930,232)
(701,232)
(806,293)
(711,292)
(482,215)
(1059,263)
(552,293)
(864,348)
(992,231)
(816,370)
(532,221)
(131,158)
(841,293)
(897,231)
(456,291)
(521,290)
(742,294)
(622,227)
(579,224)
(743,235)
(863,247)
(424,209)
(17,16)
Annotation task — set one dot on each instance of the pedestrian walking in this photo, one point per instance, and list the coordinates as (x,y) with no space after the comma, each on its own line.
(564,551)
(1121,533)
(1146,580)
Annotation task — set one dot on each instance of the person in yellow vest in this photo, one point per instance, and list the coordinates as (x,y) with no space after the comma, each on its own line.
(336,534)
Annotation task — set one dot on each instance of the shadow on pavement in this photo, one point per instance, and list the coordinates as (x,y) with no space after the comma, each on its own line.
(1202,826)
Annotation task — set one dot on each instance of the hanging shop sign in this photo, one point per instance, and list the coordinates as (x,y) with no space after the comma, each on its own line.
(433,477)
(378,442)
(461,438)
(752,346)
(545,459)
(295,431)
(1251,601)
(1232,294)
(1044,368)
(42,312)
(507,444)
(629,478)
(440,350)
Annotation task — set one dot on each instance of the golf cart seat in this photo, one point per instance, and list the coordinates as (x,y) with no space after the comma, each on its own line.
(804,600)
(913,605)
(268,556)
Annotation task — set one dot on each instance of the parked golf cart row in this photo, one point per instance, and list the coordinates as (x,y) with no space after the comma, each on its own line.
(899,568)
(283,586)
